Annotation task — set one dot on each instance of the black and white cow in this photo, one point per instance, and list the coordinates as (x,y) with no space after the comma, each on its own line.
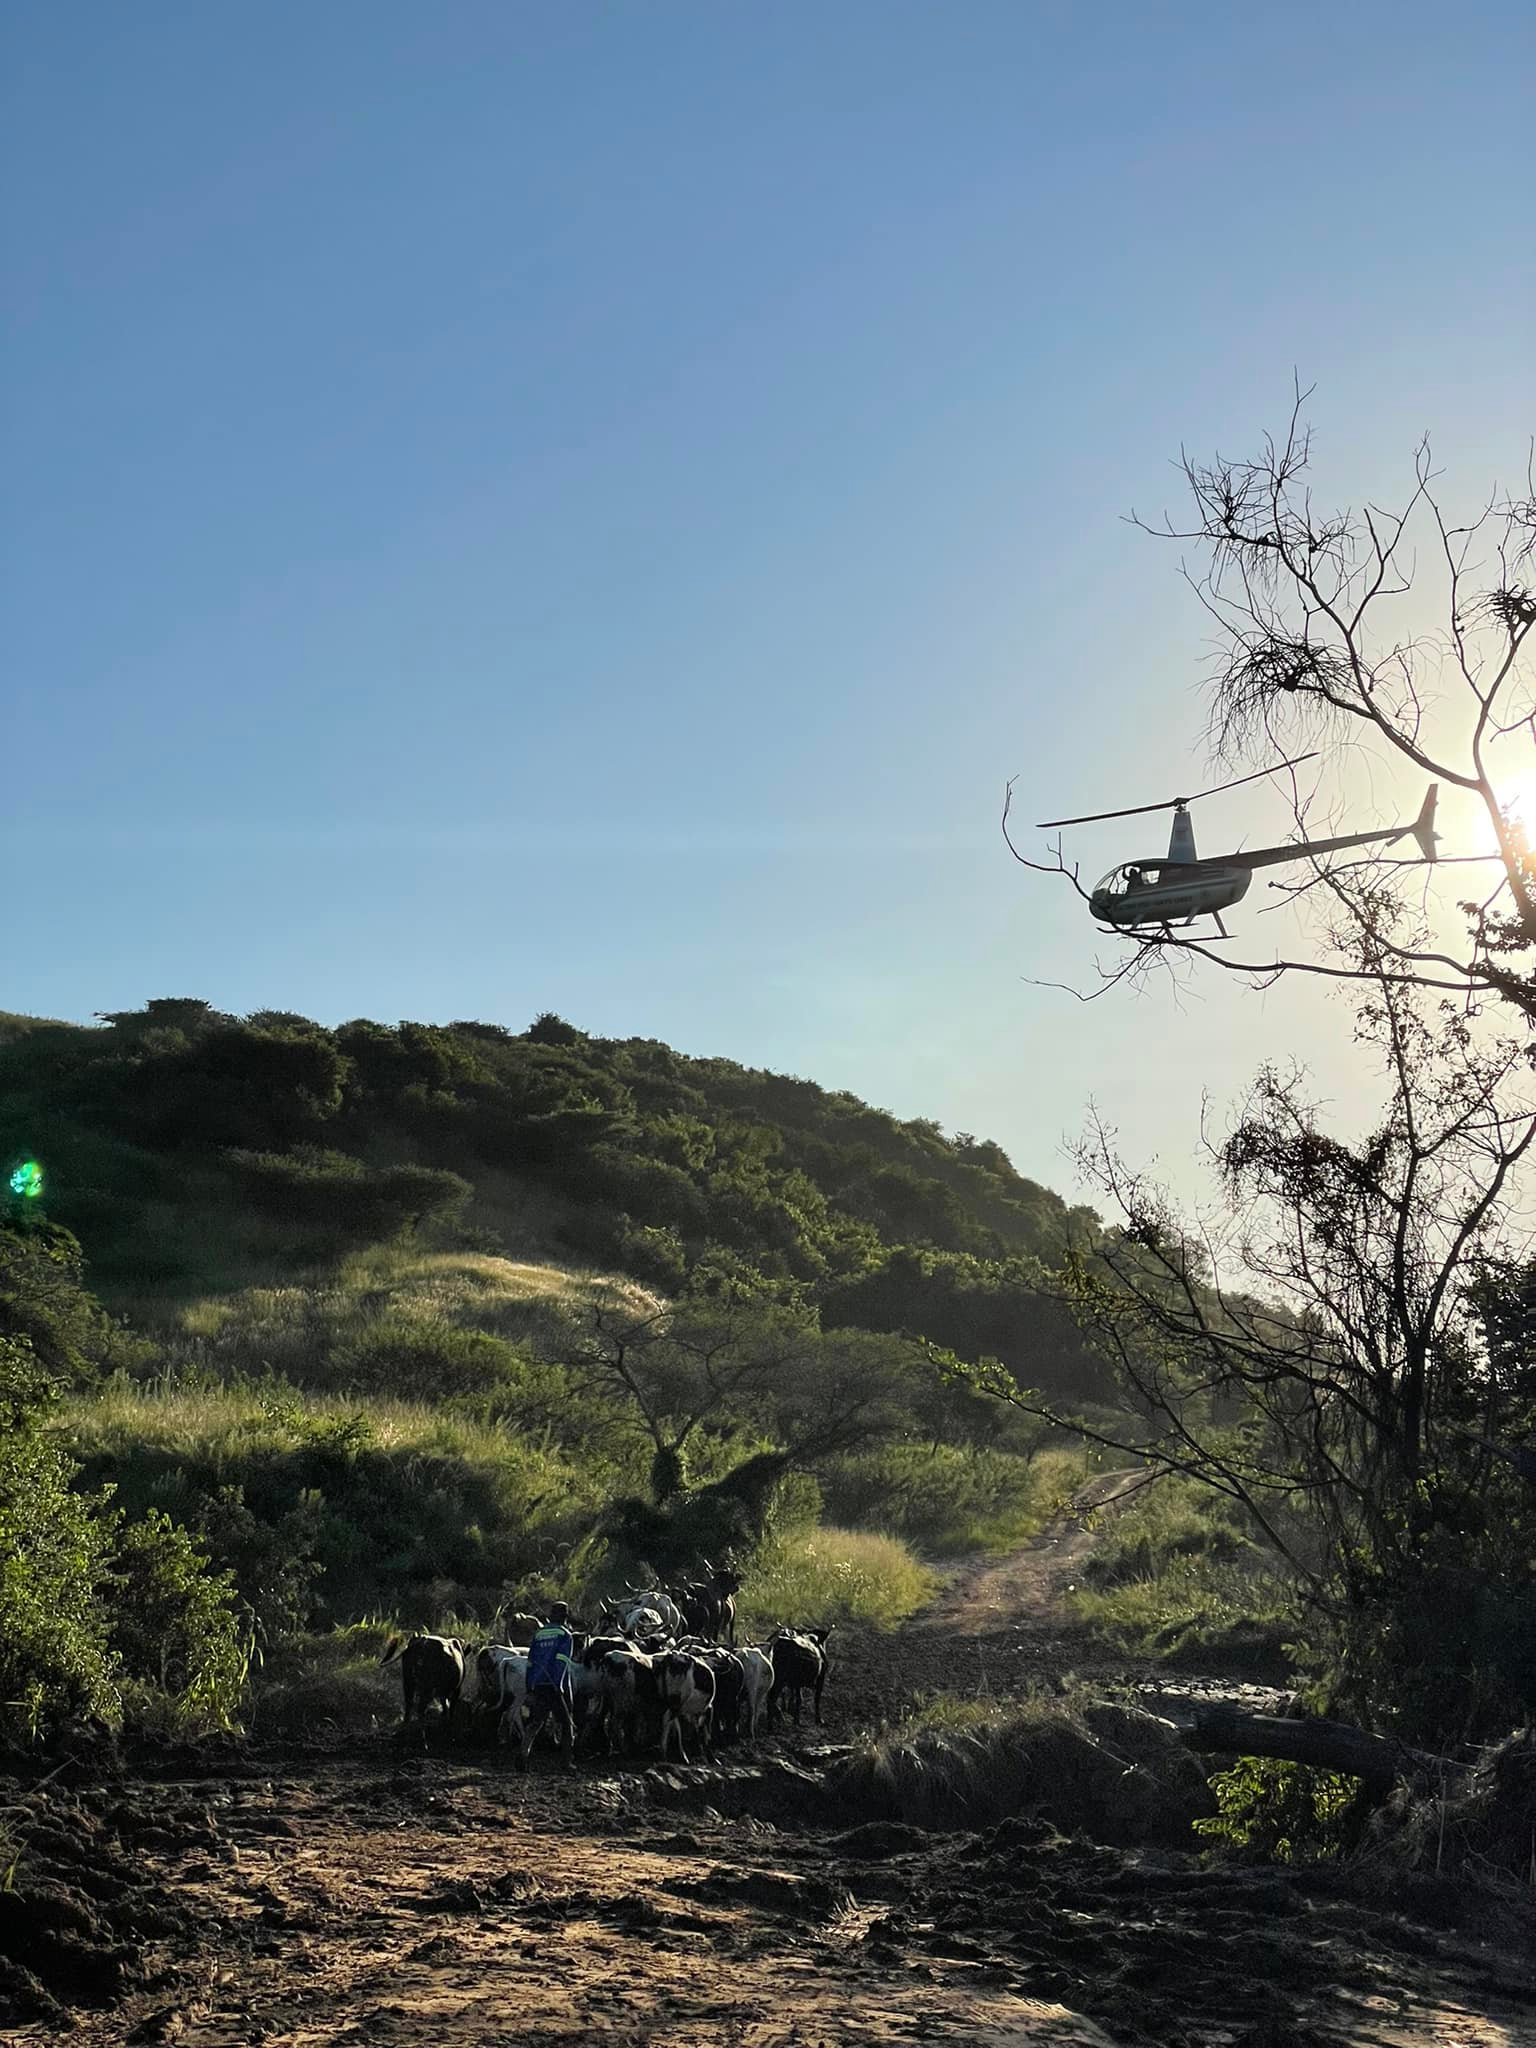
(629,1689)
(687,1688)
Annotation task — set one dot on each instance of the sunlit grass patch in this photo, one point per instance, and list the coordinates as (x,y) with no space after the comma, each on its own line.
(434,1316)
(827,1575)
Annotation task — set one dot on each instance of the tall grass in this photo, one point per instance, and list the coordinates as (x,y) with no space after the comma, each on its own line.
(460,1321)
(400,1505)
(946,1499)
(824,1576)
(316,1685)
(1177,1573)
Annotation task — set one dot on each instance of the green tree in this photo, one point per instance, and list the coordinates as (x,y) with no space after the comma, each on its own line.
(55,1657)
(181,1647)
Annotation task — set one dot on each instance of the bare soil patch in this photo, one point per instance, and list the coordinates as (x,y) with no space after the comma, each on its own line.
(387,1895)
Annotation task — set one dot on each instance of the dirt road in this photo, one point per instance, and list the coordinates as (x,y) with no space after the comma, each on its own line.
(382,1896)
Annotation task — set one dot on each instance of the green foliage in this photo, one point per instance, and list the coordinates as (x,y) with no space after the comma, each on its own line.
(313,1685)
(273,1564)
(54,1654)
(1175,1573)
(400,1507)
(399,1355)
(403,1420)
(43,1301)
(338,1201)
(948,1498)
(1284,1813)
(977,1308)
(651,1162)
(182,1653)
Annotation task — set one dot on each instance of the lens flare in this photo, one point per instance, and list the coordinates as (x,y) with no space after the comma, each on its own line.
(27,1180)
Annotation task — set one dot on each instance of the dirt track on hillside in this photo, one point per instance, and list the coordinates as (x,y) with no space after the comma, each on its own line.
(383,1895)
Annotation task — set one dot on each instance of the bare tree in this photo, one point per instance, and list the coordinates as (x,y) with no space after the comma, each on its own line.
(1333,1349)
(1315,643)
(1316,1351)
(680,1368)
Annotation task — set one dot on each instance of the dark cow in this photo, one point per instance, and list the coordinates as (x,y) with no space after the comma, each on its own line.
(431,1668)
(799,1659)
(730,1690)
(591,1700)
(709,1604)
(519,1628)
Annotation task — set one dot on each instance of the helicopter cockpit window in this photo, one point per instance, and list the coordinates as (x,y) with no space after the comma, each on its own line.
(1125,881)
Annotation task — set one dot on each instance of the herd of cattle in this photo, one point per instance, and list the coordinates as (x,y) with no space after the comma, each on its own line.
(653,1671)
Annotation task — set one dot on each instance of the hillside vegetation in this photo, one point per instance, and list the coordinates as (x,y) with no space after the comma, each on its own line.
(420,1321)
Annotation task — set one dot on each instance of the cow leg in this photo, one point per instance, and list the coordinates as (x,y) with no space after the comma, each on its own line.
(821,1679)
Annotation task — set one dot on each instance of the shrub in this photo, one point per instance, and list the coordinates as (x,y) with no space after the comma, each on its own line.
(399,1355)
(54,1655)
(274,1564)
(184,1655)
(339,1201)
(404,1506)
(317,1684)
(1287,1813)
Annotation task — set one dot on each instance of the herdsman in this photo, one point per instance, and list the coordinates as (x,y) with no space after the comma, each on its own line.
(550,1687)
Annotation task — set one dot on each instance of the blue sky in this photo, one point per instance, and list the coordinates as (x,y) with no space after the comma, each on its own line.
(583,507)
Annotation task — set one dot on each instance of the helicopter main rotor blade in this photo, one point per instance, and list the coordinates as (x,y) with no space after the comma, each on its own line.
(1174,803)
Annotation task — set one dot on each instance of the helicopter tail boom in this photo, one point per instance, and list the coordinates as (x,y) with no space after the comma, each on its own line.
(1423,826)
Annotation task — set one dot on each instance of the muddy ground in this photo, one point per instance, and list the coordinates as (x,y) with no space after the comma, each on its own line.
(383,1893)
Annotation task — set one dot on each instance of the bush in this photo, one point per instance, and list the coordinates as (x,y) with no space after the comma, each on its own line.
(399,1355)
(319,1684)
(54,1654)
(403,1506)
(1285,1813)
(183,1653)
(339,1201)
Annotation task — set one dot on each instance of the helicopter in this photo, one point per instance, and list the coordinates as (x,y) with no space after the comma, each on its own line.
(1181,886)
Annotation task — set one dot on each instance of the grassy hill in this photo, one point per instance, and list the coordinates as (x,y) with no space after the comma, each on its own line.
(416,1320)
(194,1153)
